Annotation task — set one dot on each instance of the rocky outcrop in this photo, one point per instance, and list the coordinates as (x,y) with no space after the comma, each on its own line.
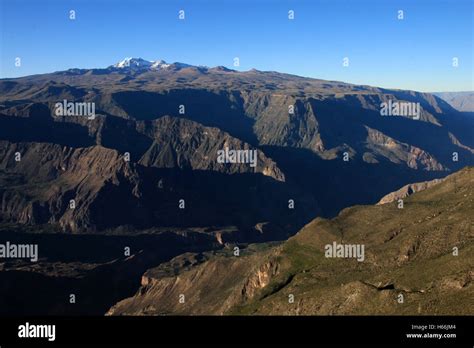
(186,144)
(97,188)
(397,152)
(198,287)
(408,190)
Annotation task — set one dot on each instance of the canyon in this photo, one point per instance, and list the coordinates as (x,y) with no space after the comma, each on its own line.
(144,174)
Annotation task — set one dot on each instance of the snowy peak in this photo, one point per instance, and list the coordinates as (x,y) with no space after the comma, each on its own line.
(160,64)
(133,62)
(142,64)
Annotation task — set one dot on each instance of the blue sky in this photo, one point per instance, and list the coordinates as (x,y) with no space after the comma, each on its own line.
(413,53)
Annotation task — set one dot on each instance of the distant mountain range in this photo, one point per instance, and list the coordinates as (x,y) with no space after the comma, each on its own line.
(142,64)
(461,101)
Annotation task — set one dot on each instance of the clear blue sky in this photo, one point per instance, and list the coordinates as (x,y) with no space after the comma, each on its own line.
(414,53)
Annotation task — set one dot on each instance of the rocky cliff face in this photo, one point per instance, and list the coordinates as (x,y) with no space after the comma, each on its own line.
(184,144)
(95,188)
(408,190)
(195,291)
(413,157)
(57,184)
(322,145)
(120,172)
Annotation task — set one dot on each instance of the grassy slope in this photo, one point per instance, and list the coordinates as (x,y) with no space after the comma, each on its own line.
(408,251)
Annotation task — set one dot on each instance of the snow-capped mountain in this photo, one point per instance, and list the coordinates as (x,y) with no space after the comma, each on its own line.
(133,62)
(160,64)
(140,63)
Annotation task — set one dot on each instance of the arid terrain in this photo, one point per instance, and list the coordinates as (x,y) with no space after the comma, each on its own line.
(131,208)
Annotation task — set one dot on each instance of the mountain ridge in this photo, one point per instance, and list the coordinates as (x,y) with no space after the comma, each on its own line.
(396,250)
(303,129)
